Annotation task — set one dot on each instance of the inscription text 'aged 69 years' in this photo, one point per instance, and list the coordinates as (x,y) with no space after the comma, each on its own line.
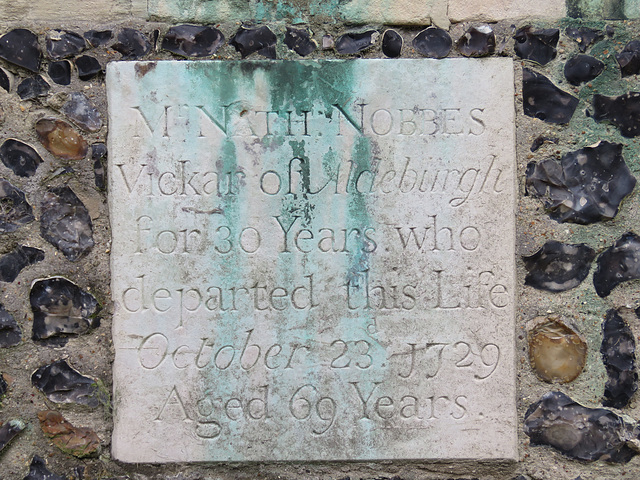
(312,260)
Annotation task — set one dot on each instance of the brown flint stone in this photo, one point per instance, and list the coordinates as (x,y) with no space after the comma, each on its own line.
(61,139)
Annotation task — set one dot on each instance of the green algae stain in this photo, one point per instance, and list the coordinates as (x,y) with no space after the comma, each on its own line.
(605,9)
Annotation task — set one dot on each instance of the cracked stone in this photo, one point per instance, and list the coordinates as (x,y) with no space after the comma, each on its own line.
(61,308)
(15,211)
(62,44)
(20,158)
(299,40)
(88,67)
(586,186)
(65,223)
(433,42)
(617,264)
(580,432)
(9,430)
(20,47)
(33,87)
(557,266)
(557,352)
(618,355)
(536,45)
(14,262)
(60,72)
(82,112)
(260,40)
(38,471)
(99,157)
(584,36)
(622,111)
(10,333)
(477,42)
(582,68)
(543,100)
(132,44)
(351,43)
(629,59)
(98,38)
(193,40)
(392,43)
(62,384)
(77,441)
(61,139)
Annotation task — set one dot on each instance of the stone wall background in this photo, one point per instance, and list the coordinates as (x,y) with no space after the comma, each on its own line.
(91,353)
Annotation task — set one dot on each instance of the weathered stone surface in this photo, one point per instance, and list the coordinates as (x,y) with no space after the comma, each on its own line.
(557,266)
(38,471)
(61,308)
(618,355)
(622,111)
(557,352)
(99,157)
(355,42)
(82,112)
(62,44)
(14,262)
(10,333)
(477,42)
(62,384)
(14,208)
(260,40)
(433,42)
(584,36)
(132,44)
(536,45)
(20,47)
(9,430)
(97,38)
(21,158)
(65,223)
(55,12)
(33,87)
(299,40)
(543,100)
(580,432)
(193,40)
(77,441)
(494,10)
(341,274)
(617,264)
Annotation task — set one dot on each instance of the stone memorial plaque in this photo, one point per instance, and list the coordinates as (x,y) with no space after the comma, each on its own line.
(313,260)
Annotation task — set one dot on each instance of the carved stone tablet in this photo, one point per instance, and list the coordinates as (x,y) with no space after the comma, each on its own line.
(313,260)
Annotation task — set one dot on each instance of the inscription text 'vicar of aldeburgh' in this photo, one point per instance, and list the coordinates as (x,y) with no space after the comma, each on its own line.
(313,260)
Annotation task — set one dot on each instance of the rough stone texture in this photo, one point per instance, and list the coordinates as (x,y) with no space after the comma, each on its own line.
(492,10)
(83,10)
(366,285)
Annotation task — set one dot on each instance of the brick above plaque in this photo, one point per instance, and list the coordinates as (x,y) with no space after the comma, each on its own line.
(313,260)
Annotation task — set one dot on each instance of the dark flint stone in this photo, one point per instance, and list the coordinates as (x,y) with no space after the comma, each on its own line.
(9,430)
(3,386)
(99,157)
(299,40)
(543,100)
(433,42)
(14,262)
(14,209)
(10,333)
(60,72)
(586,186)
(536,45)
(88,67)
(622,111)
(97,38)
(582,68)
(609,30)
(618,264)
(618,354)
(5,80)
(33,87)
(579,432)
(477,42)
(557,266)
(38,471)
(584,36)
(65,223)
(132,44)
(629,59)
(540,140)
(351,43)
(62,44)
(22,159)
(62,384)
(79,109)
(20,47)
(193,40)
(61,308)
(260,40)
(392,43)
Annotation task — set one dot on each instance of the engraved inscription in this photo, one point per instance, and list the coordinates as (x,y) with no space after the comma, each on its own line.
(313,261)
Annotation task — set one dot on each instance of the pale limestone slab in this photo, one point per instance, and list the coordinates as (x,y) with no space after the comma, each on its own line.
(52,11)
(399,12)
(496,10)
(313,260)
